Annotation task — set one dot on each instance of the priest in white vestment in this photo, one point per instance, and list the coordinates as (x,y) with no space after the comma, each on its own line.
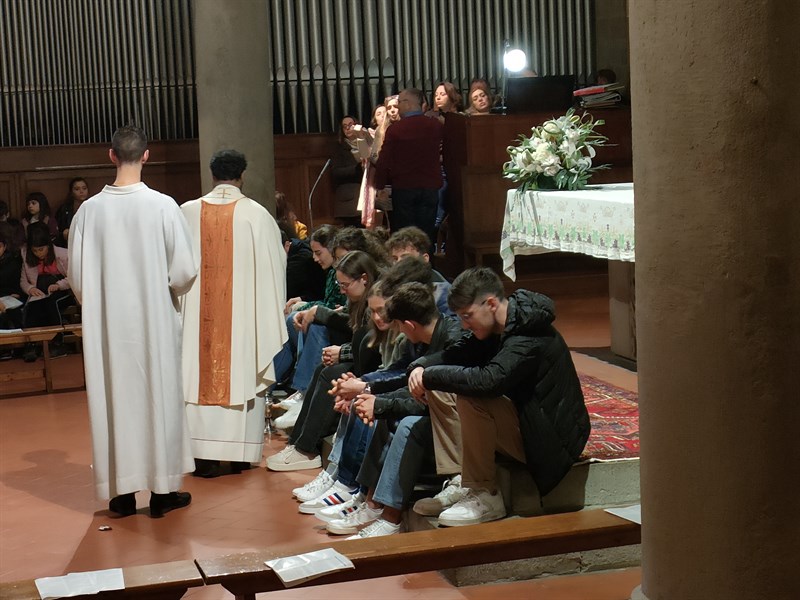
(130,257)
(233,322)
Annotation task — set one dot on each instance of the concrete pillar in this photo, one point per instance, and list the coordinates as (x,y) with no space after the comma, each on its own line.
(715,136)
(234,93)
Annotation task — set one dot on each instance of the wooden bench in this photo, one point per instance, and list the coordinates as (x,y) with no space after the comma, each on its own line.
(166,581)
(32,335)
(245,575)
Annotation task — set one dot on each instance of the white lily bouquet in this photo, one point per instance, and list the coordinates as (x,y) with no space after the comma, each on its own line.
(558,154)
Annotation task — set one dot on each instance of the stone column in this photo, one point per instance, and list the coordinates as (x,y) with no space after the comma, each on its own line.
(234,93)
(715,139)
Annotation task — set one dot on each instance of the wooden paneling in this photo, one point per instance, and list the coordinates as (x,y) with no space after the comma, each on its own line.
(173,169)
(298,162)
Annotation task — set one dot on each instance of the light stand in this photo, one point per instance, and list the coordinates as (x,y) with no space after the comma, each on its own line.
(514,61)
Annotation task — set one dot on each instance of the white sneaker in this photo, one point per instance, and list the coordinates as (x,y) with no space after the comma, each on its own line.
(362,515)
(290,401)
(451,493)
(289,418)
(313,488)
(376,529)
(337,494)
(291,459)
(479,506)
(340,511)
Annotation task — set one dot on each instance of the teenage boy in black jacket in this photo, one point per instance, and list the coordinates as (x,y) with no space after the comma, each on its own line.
(518,391)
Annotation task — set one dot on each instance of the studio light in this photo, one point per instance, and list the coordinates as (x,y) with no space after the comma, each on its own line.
(514,60)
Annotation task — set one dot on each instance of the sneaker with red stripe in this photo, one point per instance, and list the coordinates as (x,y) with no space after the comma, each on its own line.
(338,494)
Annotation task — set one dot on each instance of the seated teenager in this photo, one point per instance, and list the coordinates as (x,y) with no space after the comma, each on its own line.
(310,336)
(517,391)
(356,273)
(398,453)
(352,435)
(44,280)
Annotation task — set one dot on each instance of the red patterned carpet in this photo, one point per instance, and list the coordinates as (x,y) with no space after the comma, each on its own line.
(614,413)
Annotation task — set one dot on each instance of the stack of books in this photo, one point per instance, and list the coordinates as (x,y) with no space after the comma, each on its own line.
(600,96)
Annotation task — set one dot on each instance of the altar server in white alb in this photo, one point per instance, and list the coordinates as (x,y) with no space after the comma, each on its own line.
(232,320)
(130,258)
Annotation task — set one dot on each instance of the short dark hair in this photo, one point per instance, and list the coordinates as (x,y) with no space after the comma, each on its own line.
(407,270)
(129,143)
(412,302)
(227,165)
(472,285)
(409,236)
(416,94)
(287,232)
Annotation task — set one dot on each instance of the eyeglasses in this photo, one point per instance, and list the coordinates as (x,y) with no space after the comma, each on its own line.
(466,317)
(343,285)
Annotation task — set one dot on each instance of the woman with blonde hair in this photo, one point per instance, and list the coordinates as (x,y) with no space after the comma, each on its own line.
(480,98)
(370,147)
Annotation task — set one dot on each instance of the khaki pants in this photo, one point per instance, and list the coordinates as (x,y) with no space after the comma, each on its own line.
(446,432)
(488,425)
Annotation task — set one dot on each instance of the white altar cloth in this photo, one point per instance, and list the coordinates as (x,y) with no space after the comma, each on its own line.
(597,221)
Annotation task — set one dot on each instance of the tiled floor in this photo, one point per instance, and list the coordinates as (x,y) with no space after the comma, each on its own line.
(49,518)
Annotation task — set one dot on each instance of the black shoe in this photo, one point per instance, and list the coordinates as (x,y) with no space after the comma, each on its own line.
(124,505)
(6,355)
(29,355)
(163,503)
(57,351)
(207,469)
(237,467)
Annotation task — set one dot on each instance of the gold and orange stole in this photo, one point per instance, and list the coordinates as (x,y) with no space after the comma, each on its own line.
(216,302)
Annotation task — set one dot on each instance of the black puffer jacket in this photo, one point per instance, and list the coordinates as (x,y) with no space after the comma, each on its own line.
(530,363)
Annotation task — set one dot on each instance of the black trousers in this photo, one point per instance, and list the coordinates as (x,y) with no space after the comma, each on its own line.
(47,311)
(415,207)
(317,419)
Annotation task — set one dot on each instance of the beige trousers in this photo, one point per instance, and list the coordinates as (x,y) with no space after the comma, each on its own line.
(488,425)
(446,432)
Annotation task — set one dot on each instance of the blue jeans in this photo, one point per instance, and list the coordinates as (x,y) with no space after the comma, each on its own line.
(304,349)
(352,439)
(410,451)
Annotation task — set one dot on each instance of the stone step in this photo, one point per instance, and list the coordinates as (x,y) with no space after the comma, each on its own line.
(587,485)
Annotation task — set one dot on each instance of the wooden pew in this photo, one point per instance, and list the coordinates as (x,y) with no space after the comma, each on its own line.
(166,581)
(37,334)
(245,575)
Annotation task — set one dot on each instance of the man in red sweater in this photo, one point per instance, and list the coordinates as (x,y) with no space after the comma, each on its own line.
(410,162)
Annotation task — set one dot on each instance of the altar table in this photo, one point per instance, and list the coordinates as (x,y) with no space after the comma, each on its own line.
(597,221)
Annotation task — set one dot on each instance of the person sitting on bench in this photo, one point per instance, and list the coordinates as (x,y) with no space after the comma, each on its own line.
(427,437)
(517,391)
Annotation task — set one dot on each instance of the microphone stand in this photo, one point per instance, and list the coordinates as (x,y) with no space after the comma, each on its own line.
(314,187)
